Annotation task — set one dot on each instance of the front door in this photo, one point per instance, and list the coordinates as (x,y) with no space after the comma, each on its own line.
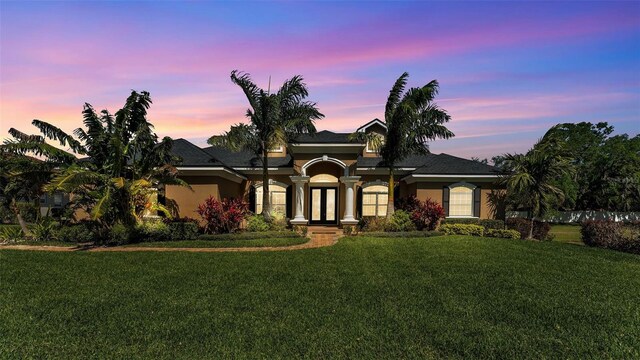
(324,205)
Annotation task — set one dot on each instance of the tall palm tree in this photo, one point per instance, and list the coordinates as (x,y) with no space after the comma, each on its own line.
(275,119)
(413,119)
(530,178)
(123,160)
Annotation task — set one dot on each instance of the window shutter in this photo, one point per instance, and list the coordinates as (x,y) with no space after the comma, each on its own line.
(289,200)
(359,203)
(445,200)
(252,199)
(477,197)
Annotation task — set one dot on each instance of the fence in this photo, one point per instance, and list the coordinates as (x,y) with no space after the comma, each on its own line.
(580,216)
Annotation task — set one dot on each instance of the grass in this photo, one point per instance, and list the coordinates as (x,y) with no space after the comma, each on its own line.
(448,296)
(566,233)
(223,243)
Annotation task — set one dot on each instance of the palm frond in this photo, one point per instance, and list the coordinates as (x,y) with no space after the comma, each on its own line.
(250,89)
(394,97)
(55,133)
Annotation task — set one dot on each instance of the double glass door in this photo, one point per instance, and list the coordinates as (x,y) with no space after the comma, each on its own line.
(324,205)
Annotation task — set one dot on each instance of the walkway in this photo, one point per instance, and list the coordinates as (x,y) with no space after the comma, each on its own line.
(319,237)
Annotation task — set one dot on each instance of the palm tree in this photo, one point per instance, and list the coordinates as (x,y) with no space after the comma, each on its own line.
(412,119)
(275,119)
(530,178)
(123,160)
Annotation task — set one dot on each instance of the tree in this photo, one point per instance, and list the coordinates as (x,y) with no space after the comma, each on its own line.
(530,178)
(274,120)
(412,119)
(123,161)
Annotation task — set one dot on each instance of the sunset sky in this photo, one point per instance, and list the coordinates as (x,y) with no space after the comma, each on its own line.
(508,70)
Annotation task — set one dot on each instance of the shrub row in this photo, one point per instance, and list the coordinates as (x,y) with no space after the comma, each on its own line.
(405,234)
(250,235)
(612,235)
(485,223)
(462,229)
(400,221)
(502,233)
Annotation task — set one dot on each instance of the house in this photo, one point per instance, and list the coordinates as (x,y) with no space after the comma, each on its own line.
(328,179)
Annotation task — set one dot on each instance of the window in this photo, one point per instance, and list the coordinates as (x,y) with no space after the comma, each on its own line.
(374,200)
(57,199)
(278,197)
(461,200)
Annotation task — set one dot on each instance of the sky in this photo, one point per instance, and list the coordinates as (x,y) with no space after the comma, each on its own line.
(507,70)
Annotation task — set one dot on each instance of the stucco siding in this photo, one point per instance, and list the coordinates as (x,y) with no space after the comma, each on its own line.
(187,200)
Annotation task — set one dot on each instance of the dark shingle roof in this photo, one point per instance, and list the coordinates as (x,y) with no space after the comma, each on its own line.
(192,155)
(436,164)
(324,137)
(245,158)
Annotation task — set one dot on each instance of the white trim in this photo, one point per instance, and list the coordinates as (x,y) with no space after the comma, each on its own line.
(463,184)
(303,169)
(327,144)
(187,168)
(279,149)
(371,123)
(378,182)
(411,178)
(271,182)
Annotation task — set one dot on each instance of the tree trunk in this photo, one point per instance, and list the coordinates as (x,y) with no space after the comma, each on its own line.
(531,228)
(390,197)
(23,224)
(266,203)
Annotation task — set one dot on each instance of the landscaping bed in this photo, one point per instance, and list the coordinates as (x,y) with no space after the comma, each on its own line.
(263,242)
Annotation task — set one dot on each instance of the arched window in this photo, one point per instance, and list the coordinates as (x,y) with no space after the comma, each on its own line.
(375,199)
(277,195)
(461,200)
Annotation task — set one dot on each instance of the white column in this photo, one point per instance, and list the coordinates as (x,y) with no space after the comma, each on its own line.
(350,184)
(299,182)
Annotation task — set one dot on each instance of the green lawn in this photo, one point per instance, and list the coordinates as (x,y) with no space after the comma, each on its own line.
(223,243)
(566,233)
(455,296)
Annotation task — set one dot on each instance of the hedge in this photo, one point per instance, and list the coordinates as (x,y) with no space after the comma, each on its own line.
(612,235)
(250,235)
(403,234)
(462,229)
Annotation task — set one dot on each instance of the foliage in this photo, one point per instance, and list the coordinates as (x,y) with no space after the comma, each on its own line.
(400,221)
(485,223)
(10,233)
(45,230)
(275,119)
(77,233)
(123,161)
(349,230)
(250,235)
(404,234)
(224,216)
(462,229)
(530,178)
(611,235)
(120,234)
(413,119)
(426,215)
(278,222)
(372,223)
(502,233)
(151,231)
(183,230)
(301,230)
(256,223)
(523,226)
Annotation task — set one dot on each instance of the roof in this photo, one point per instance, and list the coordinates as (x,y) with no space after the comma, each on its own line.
(325,137)
(245,158)
(435,164)
(192,155)
(371,123)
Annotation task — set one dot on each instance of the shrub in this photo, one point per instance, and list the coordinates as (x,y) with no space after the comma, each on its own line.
(120,235)
(45,230)
(256,223)
(502,233)
(77,233)
(462,229)
(150,231)
(611,235)
(400,221)
(301,230)
(250,235)
(540,229)
(183,230)
(278,222)
(404,234)
(451,221)
(373,224)
(349,230)
(489,224)
(11,233)
(426,215)
(224,216)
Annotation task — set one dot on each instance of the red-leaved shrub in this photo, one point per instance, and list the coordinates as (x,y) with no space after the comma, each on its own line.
(426,215)
(224,216)
(611,235)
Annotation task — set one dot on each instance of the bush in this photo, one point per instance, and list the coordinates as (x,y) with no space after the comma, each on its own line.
(370,224)
(278,222)
(400,221)
(502,233)
(256,223)
(540,229)
(77,233)
(120,235)
(301,230)
(404,234)
(224,216)
(426,215)
(350,230)
(451,221)
(250,235)
(11,233)
(489,224)
(183,230)
(150,231)
(45,230)
(462,229)
(611,235)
